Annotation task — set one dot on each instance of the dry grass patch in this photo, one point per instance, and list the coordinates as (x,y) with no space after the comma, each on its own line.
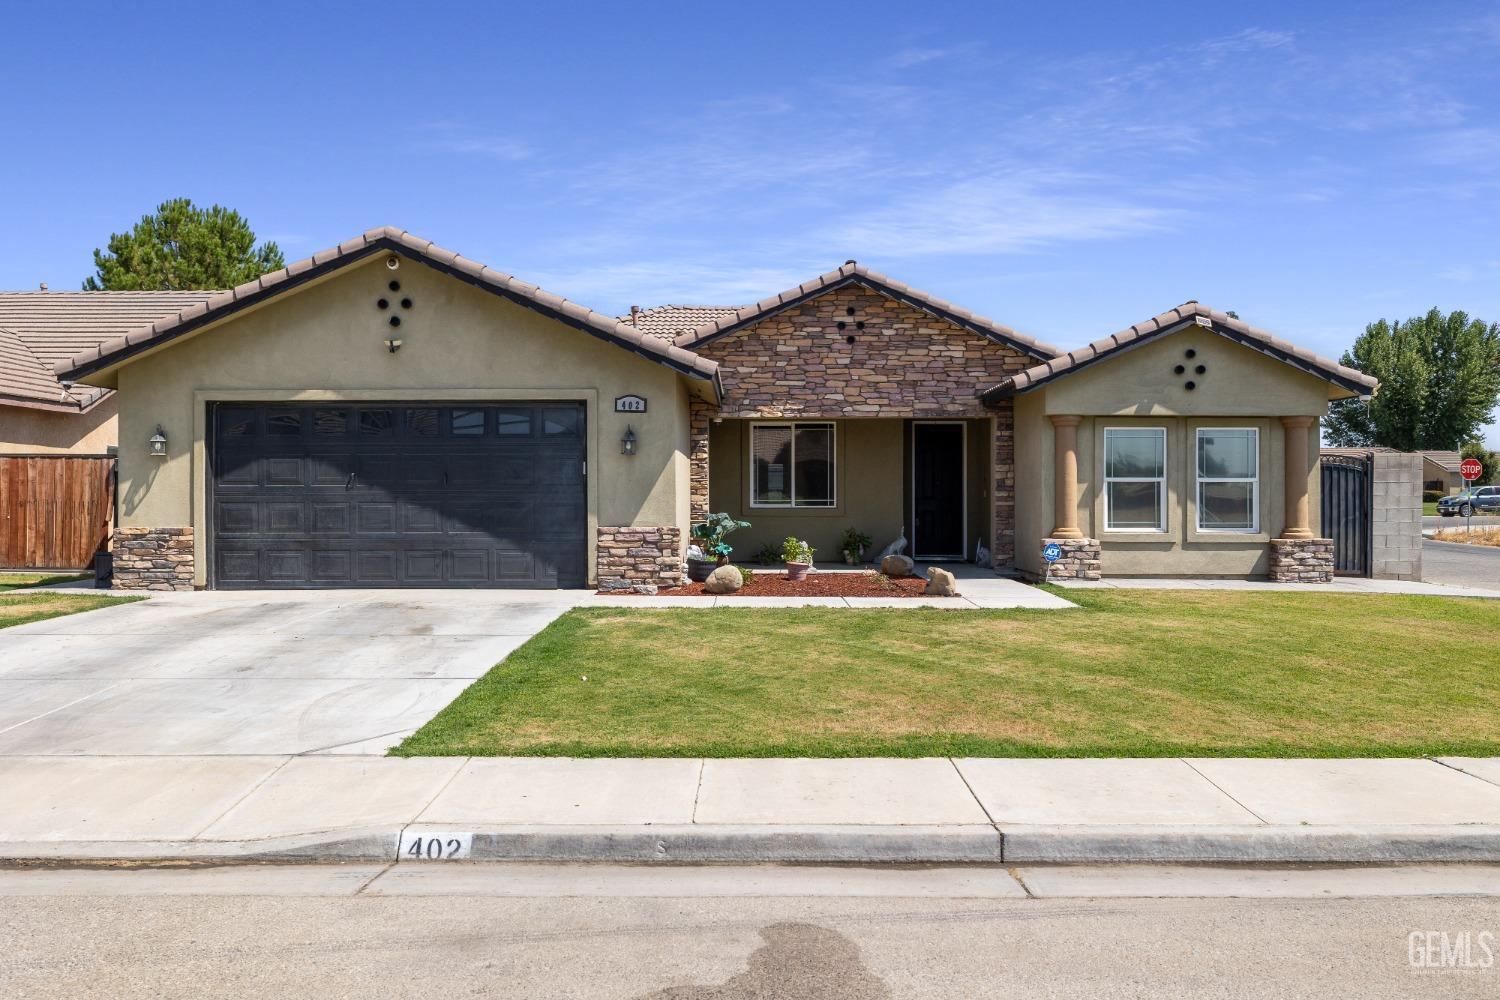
(18,609)
(1138,673)
(1480,536)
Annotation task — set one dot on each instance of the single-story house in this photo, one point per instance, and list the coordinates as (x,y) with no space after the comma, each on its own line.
(39,415)
(1440,471)
(389,413)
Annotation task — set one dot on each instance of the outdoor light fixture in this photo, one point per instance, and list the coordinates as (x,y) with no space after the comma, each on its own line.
(627,443)
(158,443)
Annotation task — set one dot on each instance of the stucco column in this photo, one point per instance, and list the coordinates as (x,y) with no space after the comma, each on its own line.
(1065,475)
(1297,521)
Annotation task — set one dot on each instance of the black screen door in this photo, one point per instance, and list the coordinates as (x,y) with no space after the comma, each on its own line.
(938,491)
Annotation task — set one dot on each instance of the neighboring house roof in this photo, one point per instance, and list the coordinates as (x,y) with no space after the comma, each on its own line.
(669,321)
(39,329)
(1170,321)
(1449,461)
(856,274)
(386,239)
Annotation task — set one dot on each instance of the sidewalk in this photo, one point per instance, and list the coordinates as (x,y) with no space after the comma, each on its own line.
(665,810)
(1340,585)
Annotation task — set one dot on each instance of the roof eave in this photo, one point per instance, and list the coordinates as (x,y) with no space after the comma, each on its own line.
(116,353)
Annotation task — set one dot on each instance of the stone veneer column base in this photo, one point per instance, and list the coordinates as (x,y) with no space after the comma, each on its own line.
(639,559)
(153,559)
(1080,559)
(1302,560)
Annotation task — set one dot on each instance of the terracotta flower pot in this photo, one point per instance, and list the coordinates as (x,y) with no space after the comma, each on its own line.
(797,571)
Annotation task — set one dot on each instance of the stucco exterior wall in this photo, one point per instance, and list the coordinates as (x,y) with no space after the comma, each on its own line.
(325,342)
(26,431)
(868,489)
(1239,388)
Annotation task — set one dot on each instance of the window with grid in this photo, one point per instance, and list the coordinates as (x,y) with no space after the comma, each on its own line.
(791,465)
(1228,479)
(1135,478)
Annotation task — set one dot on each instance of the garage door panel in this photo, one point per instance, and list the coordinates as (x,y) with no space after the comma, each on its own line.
(390,495)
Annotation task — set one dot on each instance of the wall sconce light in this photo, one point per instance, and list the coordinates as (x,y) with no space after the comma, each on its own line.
(158,443)
(627,443)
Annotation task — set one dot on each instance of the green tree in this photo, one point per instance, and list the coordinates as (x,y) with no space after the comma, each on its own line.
(1439,382)
(183,246)
(1489,459)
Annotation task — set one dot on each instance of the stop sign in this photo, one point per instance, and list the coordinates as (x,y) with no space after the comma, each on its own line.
(1470,469)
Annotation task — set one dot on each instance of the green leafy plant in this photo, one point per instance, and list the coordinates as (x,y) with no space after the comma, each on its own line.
(710,532)
(747,576)
(795,551)
(854,543)
(769,555)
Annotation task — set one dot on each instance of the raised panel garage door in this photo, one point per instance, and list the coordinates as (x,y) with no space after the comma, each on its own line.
(398,495)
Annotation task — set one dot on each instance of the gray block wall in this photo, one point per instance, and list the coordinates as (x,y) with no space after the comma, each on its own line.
(1396,516)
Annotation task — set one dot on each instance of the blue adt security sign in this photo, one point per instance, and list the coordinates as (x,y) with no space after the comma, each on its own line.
(1052,552)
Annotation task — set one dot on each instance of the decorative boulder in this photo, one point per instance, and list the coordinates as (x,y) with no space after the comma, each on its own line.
(940,583)
(724,580)
(897,565)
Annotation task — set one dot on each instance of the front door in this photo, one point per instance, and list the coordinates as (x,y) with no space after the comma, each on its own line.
(937,492)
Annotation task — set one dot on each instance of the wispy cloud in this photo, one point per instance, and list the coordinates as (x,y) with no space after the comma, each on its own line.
(909,57)
(461,140)
(998,214)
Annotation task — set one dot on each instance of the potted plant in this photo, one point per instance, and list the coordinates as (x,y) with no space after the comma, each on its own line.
(854,545)
(708,538)
(798,556)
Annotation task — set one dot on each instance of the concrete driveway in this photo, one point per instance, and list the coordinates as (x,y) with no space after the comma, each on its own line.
(255,672)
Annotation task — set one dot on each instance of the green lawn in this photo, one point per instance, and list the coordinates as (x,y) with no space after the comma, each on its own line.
(1132,673)
(14,581)
(1429,508)
(18,609)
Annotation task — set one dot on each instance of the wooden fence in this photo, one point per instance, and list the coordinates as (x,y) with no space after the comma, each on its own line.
(55,510)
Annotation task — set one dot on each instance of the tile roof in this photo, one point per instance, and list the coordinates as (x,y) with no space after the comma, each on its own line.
(1448,460)
(1174,319)
(388,239)
(669,321)
(39,329)
(854,273)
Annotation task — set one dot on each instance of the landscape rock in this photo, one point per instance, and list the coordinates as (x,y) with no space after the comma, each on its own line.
(940,583)
(724,580)
(897,565)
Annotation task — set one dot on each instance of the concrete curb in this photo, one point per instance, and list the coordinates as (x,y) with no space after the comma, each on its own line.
(1342,845)
(959,844)
(952,844)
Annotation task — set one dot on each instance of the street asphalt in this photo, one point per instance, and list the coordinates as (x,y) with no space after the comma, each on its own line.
(737,934)
(1457,564)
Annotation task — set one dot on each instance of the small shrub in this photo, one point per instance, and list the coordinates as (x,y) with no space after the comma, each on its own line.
(1433,496)
(769,555)
(794,550)
(854,543)
(747,575)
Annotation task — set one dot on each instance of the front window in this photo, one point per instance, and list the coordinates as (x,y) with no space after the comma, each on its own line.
(1229,479)
(791,465)
(1135,478)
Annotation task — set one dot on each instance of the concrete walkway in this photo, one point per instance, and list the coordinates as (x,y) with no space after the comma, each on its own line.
(223,672)
(1341,585)
(927,810)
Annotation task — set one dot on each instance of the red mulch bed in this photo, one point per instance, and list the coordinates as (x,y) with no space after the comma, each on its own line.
(773,583)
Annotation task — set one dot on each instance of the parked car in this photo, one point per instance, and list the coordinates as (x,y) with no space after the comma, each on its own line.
(1477,500)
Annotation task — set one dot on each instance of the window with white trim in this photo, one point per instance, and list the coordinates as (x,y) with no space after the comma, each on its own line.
(791,465)
(1229,479)
(1135,478)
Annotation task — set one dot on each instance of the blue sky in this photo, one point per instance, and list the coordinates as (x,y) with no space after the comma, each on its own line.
(1068,169)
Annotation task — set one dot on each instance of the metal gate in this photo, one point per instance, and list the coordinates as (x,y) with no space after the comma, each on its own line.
(1346,512)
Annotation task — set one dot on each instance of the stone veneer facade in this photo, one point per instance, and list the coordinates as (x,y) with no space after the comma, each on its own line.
(1080,559)
(153,559)
(699,414)
(641,559)
(1302,560)
(903,363)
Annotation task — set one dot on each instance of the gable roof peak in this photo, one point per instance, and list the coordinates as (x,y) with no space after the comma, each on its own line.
(381,240)
(850,272)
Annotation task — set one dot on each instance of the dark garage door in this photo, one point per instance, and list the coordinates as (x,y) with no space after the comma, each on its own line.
(398,495)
